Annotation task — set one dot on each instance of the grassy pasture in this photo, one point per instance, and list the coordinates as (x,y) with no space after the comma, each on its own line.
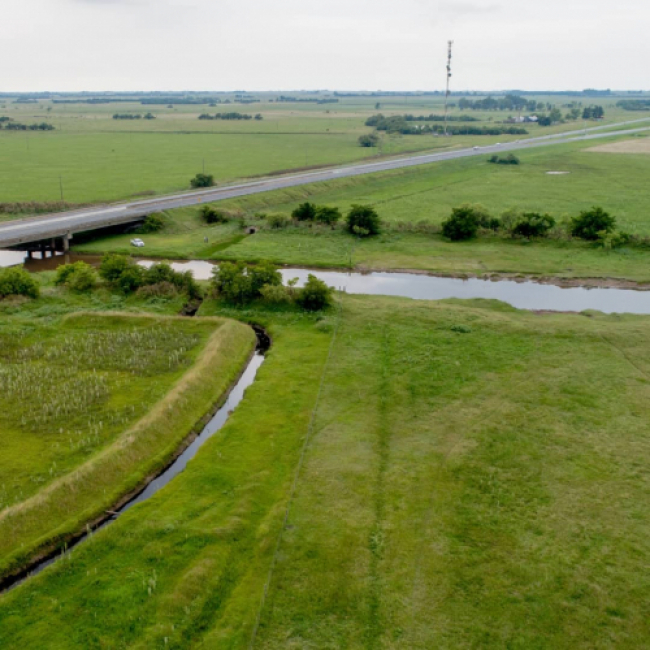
(102,159)
(471,476)
(90,405)
(427,194)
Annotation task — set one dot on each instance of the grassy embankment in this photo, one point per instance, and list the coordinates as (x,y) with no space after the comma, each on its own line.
(92,404)
(427,194)
(473,476)
(97,158)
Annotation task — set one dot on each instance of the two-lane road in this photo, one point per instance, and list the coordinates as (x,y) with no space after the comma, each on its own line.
(23,231)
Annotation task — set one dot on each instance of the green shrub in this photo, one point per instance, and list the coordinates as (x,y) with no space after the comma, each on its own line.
(462,224)
(276,294)
(15,281)
(369,140)
(158,290)
(510,159)
(591,222)
(533,224)
(202,180)
(162,272)
(79,277)
(315,295)
(212,215)
(131,279)
(153,223)
(113,265)
(304,212)
(63,272)
(278,221)
(327,214)
(363,220)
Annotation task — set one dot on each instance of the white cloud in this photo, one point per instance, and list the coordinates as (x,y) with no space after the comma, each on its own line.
(344,44)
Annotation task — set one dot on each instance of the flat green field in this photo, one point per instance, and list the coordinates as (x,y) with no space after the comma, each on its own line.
(425,195)
(402,474)
(84,409)
(97,158)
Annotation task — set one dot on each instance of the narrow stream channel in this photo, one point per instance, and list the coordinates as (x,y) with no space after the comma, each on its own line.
(216,422)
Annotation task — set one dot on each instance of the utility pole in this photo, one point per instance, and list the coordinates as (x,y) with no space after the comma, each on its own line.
(449,46)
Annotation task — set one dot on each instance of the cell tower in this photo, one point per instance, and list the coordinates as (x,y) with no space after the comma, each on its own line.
(449,46)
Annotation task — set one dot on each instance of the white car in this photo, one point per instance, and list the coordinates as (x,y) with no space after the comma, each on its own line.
(137,242)
(475,148)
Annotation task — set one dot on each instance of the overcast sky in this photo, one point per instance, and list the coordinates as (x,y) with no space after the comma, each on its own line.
(335,44)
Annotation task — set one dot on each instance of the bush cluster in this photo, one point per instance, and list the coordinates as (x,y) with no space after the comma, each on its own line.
(404,124)
(17,126)
(229,116)
(510,159)
(152,223)
(595,224)
(124,274)
(320,213)
(202,180)
(15,281)
(212,215)
(241,283)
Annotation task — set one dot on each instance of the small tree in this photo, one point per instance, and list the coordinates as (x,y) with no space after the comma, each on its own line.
(263,274)
(462,224)
(590,223)
(305,212)
(231,282)
(363,220)
(315,295)
(533,224)
(202,180)
(327,214)
(368,140)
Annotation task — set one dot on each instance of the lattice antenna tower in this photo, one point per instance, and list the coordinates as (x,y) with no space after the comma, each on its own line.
(449,46)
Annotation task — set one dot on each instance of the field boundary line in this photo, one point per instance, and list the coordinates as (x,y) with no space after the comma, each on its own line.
(303,451)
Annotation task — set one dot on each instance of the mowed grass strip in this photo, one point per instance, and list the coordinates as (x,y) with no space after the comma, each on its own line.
(174,405)
(476,478)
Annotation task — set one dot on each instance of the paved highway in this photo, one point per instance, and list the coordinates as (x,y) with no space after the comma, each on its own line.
(23,231)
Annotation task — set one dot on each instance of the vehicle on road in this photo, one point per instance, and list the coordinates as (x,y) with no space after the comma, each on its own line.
(475,148)
(137,242)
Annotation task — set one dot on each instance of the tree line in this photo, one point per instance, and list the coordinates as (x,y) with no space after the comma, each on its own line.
(229,116)
(595,224)
(506,103)
(133,116)
(399,124)
(634,104)
(379,118)
(9,125)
